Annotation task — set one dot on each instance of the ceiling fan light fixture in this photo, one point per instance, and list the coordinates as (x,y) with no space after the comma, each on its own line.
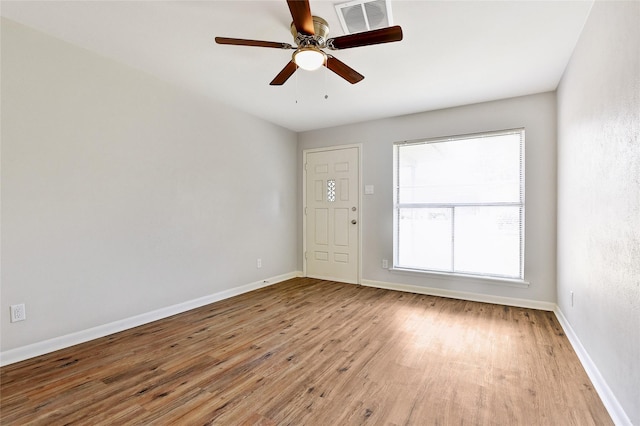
(309,58)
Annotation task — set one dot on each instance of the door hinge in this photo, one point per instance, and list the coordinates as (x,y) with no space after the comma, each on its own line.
(305,166)
(305,254)
(305,211)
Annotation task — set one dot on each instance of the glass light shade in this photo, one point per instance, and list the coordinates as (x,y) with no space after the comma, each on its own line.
(309,58)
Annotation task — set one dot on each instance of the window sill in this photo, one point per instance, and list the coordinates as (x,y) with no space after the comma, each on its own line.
(509,282)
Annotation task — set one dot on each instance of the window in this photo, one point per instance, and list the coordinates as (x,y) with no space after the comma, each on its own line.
(459,204)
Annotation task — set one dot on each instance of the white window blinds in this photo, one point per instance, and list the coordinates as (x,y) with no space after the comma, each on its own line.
(459,204)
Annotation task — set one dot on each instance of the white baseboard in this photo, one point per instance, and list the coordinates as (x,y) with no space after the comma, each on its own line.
(474,297)
(40,348)
(609,400)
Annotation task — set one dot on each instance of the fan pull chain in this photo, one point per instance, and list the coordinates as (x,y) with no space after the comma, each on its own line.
(297,84)
(326,71)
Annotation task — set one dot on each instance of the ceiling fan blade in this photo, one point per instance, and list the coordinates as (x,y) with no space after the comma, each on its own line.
(383,35)
(284,75)
(256,43)
(301,14)
(343,70)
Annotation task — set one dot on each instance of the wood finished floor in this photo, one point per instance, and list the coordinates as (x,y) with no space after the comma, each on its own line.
(312,352)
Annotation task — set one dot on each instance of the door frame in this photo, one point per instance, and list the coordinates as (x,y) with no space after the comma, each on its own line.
(304,203)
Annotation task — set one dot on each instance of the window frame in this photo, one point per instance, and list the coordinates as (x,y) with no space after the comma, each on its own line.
(397,206)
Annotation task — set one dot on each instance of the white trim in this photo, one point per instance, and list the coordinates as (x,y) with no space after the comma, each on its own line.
(609,400)
(474,297)
(40,348)
(509,282)
(304,204)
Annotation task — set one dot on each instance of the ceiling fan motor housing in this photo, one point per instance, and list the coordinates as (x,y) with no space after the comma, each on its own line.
(321,29)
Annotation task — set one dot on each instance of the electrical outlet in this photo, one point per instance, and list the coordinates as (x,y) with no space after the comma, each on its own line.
(18,312)
(385,264)
(259,263)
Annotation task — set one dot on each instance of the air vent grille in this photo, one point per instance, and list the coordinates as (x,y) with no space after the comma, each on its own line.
(364,15)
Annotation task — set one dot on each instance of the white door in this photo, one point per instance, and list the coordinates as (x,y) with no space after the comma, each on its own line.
(332,213)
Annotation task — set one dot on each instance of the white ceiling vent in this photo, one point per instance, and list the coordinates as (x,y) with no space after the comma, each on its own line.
(364,15)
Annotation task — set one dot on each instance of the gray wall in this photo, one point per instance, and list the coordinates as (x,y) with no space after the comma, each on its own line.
(599,196)
(537,113)
(122,194)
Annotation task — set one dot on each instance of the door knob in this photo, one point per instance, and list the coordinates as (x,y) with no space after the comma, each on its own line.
(353,222)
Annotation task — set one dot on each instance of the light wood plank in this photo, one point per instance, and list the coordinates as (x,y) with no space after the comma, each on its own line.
(308,351)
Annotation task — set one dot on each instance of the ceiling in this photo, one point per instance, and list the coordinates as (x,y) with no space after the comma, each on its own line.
(453,52)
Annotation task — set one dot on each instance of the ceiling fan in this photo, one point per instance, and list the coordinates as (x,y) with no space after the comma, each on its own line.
(310,34)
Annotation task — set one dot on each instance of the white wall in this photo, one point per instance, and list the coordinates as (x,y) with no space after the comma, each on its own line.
(599,197)
(537,113)
(122,194)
